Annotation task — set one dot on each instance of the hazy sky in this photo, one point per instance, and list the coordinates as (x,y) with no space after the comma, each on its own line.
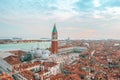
(77,19)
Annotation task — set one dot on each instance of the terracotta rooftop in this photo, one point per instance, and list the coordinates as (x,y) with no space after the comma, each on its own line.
(12,60)
(5,76)
(49,64)
(73,77)
(18,53)
(58,77)
(42,72)
(28,74)
(24,66)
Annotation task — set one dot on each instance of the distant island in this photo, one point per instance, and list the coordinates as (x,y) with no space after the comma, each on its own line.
(20,40)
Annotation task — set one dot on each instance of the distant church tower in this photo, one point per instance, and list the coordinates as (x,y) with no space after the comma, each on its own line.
(54,45)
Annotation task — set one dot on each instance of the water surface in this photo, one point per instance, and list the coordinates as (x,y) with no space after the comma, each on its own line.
(25,46)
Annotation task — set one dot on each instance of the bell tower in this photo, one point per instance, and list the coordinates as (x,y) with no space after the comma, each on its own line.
(54,44)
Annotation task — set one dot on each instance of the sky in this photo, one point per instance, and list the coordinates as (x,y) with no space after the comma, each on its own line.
(77,19)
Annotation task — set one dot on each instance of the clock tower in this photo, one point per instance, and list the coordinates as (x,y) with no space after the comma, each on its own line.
(54,45)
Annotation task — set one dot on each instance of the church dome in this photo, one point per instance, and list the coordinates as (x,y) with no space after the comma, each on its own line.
(45,54)
(38,53)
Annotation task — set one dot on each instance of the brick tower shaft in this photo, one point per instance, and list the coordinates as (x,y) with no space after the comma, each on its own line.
(54,45)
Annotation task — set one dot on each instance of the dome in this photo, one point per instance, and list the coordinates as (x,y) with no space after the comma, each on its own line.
(38,53)
(45,54)
(46,51)
(32,51)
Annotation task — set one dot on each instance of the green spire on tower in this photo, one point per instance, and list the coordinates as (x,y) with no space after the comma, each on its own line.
(54,29)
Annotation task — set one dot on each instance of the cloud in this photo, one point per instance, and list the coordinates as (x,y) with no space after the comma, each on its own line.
(97,14)
(89,34)
(107,13)
(53,9)
(86,34)
(84,5)
(96,3)
(110,3)
(74,18)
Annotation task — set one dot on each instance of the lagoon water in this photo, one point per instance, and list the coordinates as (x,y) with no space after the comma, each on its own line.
(24,46)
